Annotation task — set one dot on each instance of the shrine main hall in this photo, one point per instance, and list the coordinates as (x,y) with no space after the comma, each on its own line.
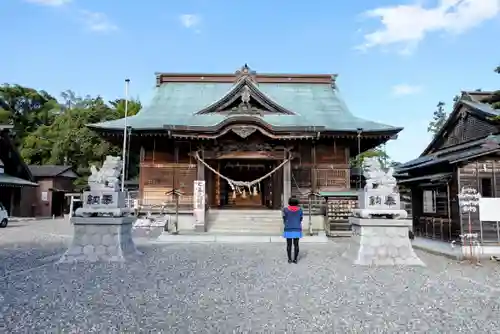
(255,139)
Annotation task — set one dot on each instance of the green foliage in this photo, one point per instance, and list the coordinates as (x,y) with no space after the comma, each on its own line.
(27,108)
(494,100)
(5,116)
(438,119)
(376,152)
(134,105)
(49,132)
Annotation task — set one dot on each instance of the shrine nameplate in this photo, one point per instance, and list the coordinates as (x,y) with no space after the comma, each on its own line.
(199,202)
(251,155)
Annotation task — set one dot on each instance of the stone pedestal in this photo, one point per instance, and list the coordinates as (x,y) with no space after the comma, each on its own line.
(381,242)
(104,239)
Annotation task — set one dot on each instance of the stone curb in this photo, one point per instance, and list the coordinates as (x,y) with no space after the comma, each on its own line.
(29,219)
(186,238)
(457,257)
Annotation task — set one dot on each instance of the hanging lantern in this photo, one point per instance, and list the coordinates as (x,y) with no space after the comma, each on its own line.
(255,193)
(244,194)
(234,194)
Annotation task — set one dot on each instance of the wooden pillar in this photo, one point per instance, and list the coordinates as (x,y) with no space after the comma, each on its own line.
(12,202)
(217,186)
(287,182)
(314,174)
(200,168)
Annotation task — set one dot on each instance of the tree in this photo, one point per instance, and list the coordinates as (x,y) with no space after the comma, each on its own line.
(134,105)
(67,140)
(26,108)
(376,152)
(438,119)
(494,99)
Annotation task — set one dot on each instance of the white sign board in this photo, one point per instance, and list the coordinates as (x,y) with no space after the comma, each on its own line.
(199,195)
(489,209)
(45,196)
(199,202)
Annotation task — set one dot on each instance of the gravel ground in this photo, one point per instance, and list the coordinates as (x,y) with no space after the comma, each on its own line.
(225,288)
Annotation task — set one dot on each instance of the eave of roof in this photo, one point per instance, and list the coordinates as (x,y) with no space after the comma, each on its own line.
(432,178)
(454,155)
(12,181)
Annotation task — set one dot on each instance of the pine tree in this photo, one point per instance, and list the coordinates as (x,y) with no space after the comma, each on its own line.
(438,119)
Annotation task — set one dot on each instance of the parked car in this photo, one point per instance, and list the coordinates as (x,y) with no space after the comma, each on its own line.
(4,216)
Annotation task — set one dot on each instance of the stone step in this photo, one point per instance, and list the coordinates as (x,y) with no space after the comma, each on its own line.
(246,213)
(238,239)
(247,221)
(246,226)
(244,231)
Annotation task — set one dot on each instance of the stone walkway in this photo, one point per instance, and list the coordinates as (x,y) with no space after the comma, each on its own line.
(232,288)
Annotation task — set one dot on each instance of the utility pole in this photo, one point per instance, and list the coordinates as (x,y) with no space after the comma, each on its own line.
(125,125)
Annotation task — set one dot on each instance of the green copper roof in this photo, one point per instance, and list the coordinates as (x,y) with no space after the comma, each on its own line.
(313,105)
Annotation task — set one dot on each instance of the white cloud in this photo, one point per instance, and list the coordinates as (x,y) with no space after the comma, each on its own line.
(52,3)
(407,25)
(405,89)
(98,22)
(190,21)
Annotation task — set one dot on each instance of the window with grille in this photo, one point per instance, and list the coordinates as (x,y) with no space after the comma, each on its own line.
(486,187)
(429,201)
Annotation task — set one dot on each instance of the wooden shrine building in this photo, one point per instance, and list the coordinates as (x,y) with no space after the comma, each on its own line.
(464,153)
(293,133)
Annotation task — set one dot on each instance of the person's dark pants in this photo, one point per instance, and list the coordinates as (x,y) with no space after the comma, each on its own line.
(295,242)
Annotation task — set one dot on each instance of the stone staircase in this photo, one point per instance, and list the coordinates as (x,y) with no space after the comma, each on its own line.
(245,222)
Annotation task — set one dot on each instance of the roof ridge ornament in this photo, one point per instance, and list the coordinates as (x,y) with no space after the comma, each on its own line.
(245,73)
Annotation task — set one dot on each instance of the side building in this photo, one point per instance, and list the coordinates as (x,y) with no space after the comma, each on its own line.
(464,153)
(15,176)
(290,132)
(55,183)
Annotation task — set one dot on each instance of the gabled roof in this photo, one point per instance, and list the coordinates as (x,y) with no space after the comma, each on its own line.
(245,90)
(476,96)
(454,154)
(479,110)
(52,171)
(309,101)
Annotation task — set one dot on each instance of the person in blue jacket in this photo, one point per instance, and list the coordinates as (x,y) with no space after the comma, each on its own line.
(292,219)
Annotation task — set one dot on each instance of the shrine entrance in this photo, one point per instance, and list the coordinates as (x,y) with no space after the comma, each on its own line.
(258,196)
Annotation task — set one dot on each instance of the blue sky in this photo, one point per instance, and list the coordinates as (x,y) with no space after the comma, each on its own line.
(395,58)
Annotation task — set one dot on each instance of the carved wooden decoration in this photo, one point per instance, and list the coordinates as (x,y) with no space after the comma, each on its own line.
(243,131)
(246,107)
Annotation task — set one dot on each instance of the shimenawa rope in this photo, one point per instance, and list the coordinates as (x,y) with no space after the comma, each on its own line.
(245,184)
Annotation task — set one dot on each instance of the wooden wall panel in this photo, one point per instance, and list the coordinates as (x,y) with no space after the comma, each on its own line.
(466,129)
(161,179)
(332,154)
(472,175)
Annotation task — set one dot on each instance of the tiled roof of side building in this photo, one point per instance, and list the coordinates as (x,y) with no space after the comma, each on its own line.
(48,170)
(313,105)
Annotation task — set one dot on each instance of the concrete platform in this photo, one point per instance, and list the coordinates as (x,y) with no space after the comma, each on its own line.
(438,247)
(214,238)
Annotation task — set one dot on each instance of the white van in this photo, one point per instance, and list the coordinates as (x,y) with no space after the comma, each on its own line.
(4,216)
